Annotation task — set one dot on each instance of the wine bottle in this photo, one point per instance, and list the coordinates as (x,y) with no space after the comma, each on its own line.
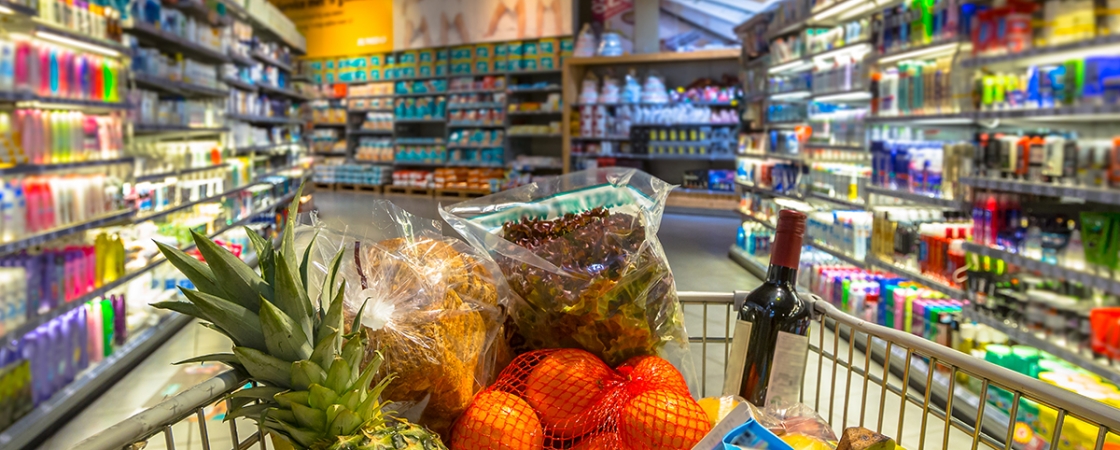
(771,342)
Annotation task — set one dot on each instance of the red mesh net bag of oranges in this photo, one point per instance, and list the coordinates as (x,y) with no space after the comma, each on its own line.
(570,399)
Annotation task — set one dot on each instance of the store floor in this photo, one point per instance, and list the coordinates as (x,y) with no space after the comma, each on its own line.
(696,247)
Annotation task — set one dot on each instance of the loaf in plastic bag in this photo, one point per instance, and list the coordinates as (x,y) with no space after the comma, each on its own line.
(433,307)
(581,251)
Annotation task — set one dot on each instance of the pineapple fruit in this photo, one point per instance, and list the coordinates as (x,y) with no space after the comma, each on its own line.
(311,389)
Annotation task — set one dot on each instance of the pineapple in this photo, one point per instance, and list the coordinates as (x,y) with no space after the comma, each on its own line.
(311,390)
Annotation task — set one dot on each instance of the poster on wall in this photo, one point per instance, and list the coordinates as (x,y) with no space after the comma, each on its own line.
(339,28)
(436,23)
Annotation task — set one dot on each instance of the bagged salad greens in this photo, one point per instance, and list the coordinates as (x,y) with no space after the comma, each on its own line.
(581,251)
(433,305)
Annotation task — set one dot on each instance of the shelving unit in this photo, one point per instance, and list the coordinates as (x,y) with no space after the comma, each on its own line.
(129,167)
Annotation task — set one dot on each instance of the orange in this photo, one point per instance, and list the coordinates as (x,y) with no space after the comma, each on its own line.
(651,372)
(601,441)
(662,419)
(498,420)
(563,387)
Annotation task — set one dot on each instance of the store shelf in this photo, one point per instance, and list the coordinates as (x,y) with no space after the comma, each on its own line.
(654,157)
(257,55)
(480,105)
(1089,194)
(176,87)
(43,237)
(44,168)
(475,124)
(255,119)
(1060,52)
(601,138)
(839,254)
(685,124)
(473,147)
(1098,366)
(283,92)
(1065,114)
(328,125)
(167,41)
(330,154)
(679,103)
(924,119)
(19,9)
(534,113)
(156,128)
(529,90)
(534,135)
(912,275)
(933,48)
(41,26)
(694,191)
(418,94)
(785,123)
(524,72)
(916,198)
(402,120)
(654,58)
(838,201)
(849,148)
(65,103)
(768,191)
(1102,281)
(748,262)
(177,173)
(753,218)
(261,148)
(182,206)
(242,60)
(848,95)
(233,82)
(846,48)
(44,420)
(477,91)
(368,132)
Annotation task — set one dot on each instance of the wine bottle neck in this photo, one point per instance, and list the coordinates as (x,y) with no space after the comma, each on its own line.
(781,275)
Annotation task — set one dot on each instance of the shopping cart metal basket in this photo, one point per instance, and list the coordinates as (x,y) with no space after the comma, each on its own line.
(859,374)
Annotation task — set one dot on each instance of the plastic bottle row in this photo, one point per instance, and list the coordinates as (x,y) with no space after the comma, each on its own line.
(930,168)
(779,176)
(149,108)
(160,195)
(160,66)
(97,19)
(158,157)
(46,70)
(32,205)
(54,137)
(928,241)
(847,231)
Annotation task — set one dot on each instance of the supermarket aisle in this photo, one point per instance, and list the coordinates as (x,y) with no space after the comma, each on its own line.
(695,246)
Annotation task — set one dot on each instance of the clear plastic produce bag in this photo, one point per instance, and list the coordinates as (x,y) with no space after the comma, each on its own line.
(433,307)
(581,251)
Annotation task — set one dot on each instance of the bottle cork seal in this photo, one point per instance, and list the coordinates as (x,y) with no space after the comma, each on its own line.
(788,237)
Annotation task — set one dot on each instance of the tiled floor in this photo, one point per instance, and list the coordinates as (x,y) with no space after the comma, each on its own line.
(694,245)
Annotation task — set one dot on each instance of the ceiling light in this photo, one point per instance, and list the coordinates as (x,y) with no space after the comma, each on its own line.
(923,51)
(799,64)
(844,96)
(6,10)
(76,43)
(790,95)
(836,9)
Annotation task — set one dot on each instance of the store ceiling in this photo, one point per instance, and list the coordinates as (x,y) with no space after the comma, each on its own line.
(716,18)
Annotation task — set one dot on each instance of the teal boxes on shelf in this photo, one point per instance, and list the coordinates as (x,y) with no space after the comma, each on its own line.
(427,56)
(442,56)
(484,66)
(441,70)
(316,66)
(527,65)
(501,50)
(515,48)
(424,71)
(547,63)
(530,49)
(501,65)
(375,61)
(461,69)
(358,63)
(375,75)
(406,72)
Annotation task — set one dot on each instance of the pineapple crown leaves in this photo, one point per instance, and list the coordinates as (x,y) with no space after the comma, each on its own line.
(312,389)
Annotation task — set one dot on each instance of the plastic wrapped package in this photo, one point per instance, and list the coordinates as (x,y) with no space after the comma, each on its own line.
(581,251)
(433,306)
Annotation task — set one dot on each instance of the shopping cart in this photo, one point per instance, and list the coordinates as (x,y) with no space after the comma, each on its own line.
(858,372)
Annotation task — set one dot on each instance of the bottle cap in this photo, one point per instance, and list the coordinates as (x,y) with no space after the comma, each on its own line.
(788,237)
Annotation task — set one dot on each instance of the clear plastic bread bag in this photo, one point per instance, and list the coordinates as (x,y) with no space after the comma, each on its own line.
(581,251)
(434,307)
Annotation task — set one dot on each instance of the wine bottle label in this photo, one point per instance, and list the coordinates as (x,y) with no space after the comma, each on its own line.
(788,369)
(740,342)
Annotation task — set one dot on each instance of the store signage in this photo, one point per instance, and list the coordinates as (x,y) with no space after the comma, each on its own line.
(338,28)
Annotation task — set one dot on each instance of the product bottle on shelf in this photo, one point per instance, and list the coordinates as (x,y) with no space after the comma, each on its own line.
(771,340)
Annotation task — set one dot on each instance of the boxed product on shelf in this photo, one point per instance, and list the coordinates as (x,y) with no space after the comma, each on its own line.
(420,153)
(480,137)
(353,174)
(326,112)
(551,104)
(476,156)
(378,121)
(423,179)
(473,179)
(477,100)
(781,177)
(482,116)
(435,86)
(710,179)
(370,89)
(374,150)
(327,140)
(550,129)
(488,82)
(421,107)
(369,104)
